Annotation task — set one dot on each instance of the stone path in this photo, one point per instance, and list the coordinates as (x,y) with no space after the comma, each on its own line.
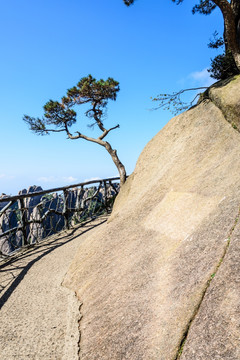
(39,317)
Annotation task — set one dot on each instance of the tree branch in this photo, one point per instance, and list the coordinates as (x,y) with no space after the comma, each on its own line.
(51,130)
(82,136)
(174,100)
(101,137)
(96,117)
(69,134)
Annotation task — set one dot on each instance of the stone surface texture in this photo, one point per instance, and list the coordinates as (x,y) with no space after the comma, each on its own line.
(215,332)
(160,280)
(227,99)
(39,318)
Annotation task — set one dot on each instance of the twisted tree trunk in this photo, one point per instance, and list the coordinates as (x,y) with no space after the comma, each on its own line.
(107,146)
(231,15)
(117,162)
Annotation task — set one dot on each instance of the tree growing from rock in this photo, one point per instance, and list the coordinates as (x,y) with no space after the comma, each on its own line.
(60,116)
(223,65)
(228,63)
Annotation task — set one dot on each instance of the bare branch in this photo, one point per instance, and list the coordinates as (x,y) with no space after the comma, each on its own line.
(72,137)
(101,137)
(79,136)
(54,130)
(174,100)
(82,136)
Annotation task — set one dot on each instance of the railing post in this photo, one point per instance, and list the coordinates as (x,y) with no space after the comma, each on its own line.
(65,209)
(105,194)
(23,220)
(34,226)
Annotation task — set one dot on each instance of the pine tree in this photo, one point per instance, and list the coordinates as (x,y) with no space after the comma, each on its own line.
(59,116)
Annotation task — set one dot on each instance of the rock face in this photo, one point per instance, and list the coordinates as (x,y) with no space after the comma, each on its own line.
(30,203)
(161,280)
(10,220)
(227,99)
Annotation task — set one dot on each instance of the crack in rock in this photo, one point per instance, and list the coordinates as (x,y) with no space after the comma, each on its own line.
(185,335)
(79,330)
(73,335)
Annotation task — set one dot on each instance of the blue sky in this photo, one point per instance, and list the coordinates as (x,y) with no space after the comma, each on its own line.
(48,45)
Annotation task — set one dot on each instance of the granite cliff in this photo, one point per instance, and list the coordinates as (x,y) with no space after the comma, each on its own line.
(161,280)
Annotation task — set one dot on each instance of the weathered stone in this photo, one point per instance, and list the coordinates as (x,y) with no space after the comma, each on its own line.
(3,204)
(225,94)
(30,203)
(215,333)
(142,276)
(8,221)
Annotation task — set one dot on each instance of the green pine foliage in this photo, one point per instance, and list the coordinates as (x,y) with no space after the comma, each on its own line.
(61,115)
(223,66)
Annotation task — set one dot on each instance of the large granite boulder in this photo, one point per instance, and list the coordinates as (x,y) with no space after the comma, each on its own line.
(161,279)
(225,94)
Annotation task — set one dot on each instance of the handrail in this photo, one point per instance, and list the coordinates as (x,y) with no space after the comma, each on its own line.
(22,224)
(43,192)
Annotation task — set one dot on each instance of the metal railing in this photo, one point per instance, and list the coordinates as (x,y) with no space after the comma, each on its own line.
(27,218)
